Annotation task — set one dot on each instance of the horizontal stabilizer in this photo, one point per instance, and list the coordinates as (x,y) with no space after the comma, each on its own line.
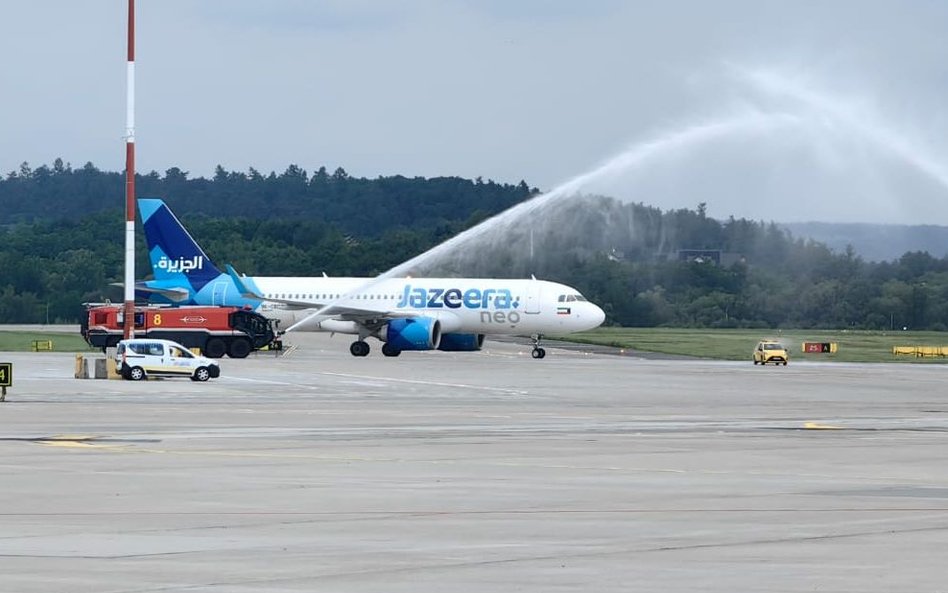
(172,293)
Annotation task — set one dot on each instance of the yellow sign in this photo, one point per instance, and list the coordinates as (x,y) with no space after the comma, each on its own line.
(820,347)
(6,374)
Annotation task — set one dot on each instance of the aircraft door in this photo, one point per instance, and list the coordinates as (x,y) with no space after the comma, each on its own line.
(219,293)
(532,304)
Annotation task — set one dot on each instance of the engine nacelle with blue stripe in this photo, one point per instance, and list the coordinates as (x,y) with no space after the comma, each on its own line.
(461,342)
(413,333)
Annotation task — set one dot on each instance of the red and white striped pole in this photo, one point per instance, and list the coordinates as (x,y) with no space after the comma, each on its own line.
(130,179)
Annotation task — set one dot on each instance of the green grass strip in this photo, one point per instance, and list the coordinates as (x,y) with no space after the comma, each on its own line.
(738,344)
(22,341)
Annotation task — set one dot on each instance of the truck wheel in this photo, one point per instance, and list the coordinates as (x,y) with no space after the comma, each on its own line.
(240,348)
(215,348)
(136,373)
(201,374)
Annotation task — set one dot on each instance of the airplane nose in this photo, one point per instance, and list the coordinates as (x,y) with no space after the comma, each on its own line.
(598,315)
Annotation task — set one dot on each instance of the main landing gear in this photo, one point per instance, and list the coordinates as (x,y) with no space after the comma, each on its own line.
(359,348)
(538,352)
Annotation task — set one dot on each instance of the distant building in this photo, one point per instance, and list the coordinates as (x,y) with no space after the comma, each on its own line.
(615,255)
(700,256)
(712,256)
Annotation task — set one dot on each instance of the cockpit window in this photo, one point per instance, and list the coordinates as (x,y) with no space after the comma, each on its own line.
(561,299)
(580,298)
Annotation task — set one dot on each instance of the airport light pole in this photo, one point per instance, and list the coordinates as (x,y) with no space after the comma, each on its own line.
(129,326)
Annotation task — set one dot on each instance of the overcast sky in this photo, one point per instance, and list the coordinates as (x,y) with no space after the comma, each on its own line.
(782,109)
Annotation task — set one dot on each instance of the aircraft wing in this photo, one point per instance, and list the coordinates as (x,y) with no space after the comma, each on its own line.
(365,315)
(351,313)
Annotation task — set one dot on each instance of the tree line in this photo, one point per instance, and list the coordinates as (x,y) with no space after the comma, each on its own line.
(355,205)
(58,251)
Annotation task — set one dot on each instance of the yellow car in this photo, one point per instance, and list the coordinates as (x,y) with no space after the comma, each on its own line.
(771,351)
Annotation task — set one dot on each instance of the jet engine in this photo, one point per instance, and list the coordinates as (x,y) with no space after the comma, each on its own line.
(461,342)
(412,333)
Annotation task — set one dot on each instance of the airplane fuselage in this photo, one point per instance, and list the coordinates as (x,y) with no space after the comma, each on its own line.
(462,305)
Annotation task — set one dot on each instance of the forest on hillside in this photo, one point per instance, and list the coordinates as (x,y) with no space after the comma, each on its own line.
(61,245)
(356,205)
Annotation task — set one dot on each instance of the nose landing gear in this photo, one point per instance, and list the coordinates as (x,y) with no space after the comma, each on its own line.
(538,352)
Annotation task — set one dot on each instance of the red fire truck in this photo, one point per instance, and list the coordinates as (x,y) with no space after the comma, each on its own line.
(215,330)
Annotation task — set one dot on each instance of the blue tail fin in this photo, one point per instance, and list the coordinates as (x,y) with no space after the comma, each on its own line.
(174,254)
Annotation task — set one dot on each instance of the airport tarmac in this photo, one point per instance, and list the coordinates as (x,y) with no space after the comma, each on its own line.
(475,472)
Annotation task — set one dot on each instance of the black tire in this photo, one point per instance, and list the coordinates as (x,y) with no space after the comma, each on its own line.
(215,348)
(388,350)
(240,348)
(136,374)
(359,348)
(538,353)
(201,374)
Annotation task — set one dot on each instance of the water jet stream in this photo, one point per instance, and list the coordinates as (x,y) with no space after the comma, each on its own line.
(635,157)
(808,111)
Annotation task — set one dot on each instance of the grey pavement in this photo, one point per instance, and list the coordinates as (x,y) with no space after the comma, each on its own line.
(488,471)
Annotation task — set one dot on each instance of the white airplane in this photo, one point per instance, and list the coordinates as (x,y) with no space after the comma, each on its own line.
(451,314)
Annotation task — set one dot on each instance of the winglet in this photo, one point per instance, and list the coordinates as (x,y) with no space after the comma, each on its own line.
(242,288)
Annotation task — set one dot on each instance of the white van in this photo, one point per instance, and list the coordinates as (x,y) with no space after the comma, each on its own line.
(140,358)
